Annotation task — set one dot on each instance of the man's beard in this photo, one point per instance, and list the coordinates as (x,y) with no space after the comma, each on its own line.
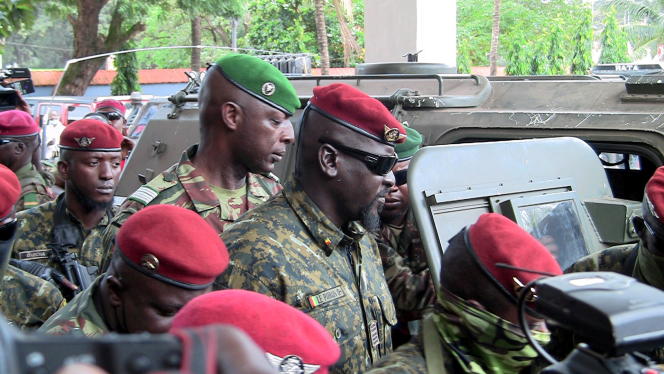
(370,214)
(87,203)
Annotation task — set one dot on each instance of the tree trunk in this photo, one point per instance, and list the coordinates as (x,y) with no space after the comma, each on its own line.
(321,36)
(348,40)
(234,24)
(495,34)
(88,42)
(196,40)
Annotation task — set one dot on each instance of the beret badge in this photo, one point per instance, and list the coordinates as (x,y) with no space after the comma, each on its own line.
(291,364)
(150,262)
(268,89)
(391,134)
(84,141)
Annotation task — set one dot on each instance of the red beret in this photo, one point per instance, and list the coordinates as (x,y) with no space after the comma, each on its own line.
(287,335)
(91,135)
(111,104)
(354,109)
(496,239)
(10,190)
(655,194)
(173,245)
(17,123)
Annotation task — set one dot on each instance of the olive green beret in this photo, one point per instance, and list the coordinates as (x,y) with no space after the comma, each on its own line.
(407,149)
(261,80)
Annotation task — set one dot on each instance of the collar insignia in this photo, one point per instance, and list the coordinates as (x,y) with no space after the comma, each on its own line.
(84,142)
(290,364)
(268,89)
(150,262)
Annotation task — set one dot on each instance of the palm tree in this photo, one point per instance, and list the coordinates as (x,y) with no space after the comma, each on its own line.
(495,35)
(646,29)
(321,36)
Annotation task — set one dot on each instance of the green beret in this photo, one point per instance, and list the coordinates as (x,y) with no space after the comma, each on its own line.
(261,80)
(407,149)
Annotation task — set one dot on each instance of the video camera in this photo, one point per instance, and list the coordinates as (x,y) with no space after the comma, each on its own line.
(613,315)
(117,354)
(13,80)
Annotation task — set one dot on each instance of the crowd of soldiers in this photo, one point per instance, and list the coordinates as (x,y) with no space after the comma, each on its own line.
(324,272)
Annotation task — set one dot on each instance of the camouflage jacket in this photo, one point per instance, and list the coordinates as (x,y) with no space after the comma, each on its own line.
(184,186)
(34,236)
(406,269)
(288,249)
(79,317)
(34,189)
(28,301)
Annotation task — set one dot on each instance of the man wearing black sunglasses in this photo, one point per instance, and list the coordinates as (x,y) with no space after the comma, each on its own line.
(307,246)
(19,138)
(401,249)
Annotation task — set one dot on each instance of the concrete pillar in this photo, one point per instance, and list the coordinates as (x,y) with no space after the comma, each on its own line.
(393,28)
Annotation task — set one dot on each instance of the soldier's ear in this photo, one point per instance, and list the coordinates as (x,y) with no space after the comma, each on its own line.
(328,160)
(114,287)
(231,114)
(63,169)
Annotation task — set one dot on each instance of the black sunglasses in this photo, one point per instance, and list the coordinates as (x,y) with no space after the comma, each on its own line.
(400,177)
(378,164)
(7,141)
(112,116)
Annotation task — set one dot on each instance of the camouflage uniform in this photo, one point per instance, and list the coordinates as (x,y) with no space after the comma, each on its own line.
(406,268)
(34,189)
(26,300)
(288,249)
(34,236)
(182,185)
(79,317)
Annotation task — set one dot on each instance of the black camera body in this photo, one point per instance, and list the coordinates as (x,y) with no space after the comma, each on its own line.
(614,315)
(21,82)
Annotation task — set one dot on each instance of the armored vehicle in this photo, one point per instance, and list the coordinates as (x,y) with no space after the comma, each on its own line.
(591,180)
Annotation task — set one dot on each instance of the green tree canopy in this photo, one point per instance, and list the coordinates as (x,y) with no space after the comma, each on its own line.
(614,41)
(126,79)
(582,44)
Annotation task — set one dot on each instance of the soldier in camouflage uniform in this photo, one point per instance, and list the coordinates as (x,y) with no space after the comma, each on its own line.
(19,137)
(474,326)
(401,249)
(90,165)
(644,260)
(306,247)
(245,109)
(25,300)
(149,279)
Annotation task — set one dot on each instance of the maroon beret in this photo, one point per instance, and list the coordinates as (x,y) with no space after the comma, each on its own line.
(173,245)
(91,135)
(10,190)
(289,337)
(356,110)
(495,239)
(655,194)
(114,104)
(17,123)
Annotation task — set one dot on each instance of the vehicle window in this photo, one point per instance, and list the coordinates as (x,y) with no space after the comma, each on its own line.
(77,113)
(556,226)
(623,161)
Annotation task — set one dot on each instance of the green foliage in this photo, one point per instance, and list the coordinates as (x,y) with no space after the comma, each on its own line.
(463,56)
(126,79)
(582,46)
(534,34)
(646,29)
(614,41)
(16,15)
(289,26)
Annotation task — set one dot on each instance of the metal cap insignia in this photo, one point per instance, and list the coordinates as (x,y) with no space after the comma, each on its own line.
(150,262)
(391,135)
(84,141)
(268,89)
(291,364)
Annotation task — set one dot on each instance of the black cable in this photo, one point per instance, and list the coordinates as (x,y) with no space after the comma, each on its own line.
(524,324)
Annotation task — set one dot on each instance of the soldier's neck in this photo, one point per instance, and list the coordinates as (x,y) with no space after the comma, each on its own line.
(88,217)
(218,170)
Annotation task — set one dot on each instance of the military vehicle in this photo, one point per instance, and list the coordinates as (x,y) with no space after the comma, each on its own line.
(595,184)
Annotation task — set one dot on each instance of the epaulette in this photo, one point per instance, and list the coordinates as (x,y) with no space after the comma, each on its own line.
(149,191)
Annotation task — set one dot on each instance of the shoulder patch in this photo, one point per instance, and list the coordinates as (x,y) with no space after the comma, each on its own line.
(144,195)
